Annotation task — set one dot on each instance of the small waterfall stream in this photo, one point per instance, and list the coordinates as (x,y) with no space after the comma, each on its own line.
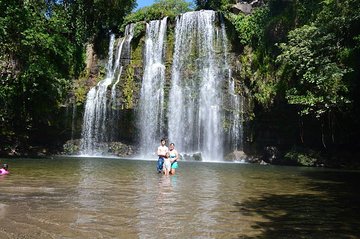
(152,90)
(235,101)
(95,128)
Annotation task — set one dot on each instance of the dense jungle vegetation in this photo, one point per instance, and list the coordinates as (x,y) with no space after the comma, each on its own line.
(296,56)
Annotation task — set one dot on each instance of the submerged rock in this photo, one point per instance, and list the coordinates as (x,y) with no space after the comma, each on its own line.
(241,156)
(192,157)
(236,155)
(121,149)
(71,147)
(271,154)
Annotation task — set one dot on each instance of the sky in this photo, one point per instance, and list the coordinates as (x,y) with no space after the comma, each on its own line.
(143,3)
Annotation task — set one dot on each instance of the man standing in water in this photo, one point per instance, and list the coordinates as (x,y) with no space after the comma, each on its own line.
(161,152)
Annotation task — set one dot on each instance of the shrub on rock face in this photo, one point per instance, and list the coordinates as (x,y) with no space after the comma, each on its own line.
(310,158)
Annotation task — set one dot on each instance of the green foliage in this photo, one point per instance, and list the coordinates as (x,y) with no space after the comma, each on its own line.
(96,17)
(257,64)
(305,54)
(139,30)
(42,51)
(265,91)
(79,89)
(160,9)
(250,28)
(316,76)
(41,55)
(316,56)
(129,88)
(303,158)
(263,84)
(216,5)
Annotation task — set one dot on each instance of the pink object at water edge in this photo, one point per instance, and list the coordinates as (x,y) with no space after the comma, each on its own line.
(3,171)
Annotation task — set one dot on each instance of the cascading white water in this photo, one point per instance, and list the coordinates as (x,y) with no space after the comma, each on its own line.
(235,102)
(203,108)
(95,130)
(198,74)
(123,55)
(236,106)
(124,44)
(152,88)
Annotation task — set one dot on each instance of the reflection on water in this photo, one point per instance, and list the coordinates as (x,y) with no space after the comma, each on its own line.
(113,198)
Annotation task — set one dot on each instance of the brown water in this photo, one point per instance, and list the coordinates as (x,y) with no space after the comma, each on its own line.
(116,198)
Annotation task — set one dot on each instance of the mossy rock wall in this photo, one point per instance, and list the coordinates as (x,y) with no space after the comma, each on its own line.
(129,86)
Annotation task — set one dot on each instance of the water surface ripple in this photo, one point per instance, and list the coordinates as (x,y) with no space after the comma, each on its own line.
(117,198)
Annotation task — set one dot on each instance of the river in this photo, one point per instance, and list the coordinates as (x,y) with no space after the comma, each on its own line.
(64,197)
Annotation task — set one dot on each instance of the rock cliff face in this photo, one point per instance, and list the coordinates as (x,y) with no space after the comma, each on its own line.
(252,133)
(244,126)
(246,7)
(219,114)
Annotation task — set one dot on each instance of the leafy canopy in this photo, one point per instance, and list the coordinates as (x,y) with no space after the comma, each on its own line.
(314,59)
(160,9)
(42,51)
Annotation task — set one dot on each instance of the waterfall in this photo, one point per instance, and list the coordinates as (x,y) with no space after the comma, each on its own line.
(124,45)
(95,128)
(152,89)
(124,55)
(236,107)
(198,74)
(199,108)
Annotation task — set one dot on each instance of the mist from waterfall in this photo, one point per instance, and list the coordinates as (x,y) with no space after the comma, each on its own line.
(198,74)
(152,116)
(96,129)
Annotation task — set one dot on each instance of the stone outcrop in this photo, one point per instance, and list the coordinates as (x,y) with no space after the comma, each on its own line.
(72,147)
(246,7)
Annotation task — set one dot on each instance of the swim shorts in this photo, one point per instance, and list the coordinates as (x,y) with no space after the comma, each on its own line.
(174,165)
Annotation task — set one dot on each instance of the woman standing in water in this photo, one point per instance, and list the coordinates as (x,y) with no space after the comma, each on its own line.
(174,157)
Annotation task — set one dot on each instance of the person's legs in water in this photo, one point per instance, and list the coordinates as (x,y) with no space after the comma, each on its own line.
(160,163)
(167,167)
(174,166)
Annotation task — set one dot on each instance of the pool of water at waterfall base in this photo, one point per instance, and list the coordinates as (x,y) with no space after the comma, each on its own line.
(63,197)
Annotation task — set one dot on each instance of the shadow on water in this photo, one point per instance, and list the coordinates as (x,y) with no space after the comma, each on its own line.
(332,211)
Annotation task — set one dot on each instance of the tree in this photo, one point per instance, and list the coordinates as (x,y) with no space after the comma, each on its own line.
(42,51)
(319,62)
(160,9)
(216,5)
(316,78)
